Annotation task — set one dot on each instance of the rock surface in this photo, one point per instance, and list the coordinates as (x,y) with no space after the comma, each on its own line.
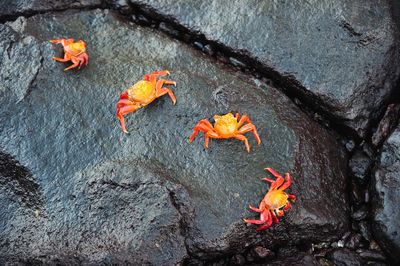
(386,212)
(78,190)
(342,56)
(13,8)
(345,257)
(387,124)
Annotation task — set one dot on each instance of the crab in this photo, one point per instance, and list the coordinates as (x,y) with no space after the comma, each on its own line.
(225,127)
(275,202)
(142,93)
(73,51)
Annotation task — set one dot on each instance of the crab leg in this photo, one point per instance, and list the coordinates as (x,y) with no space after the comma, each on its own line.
(65,59)
(250,127)
(279,213)
(253,221)
(166,81)
(287,183)
(266,216)
(63,41)
(210,134)
(153,76)
(269,180)
(161,91)
(287,207)
(125,106)
(242,120)
(204,126)
(83,59)
(75,62)
(275,219)
(243,138)
(279,181)
(255,209)
(292,197)
(123,111)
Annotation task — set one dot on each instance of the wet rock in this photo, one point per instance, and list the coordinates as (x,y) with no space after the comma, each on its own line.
(148,196)
(208,49)
(354,241)
(238,260)
(350,145)
(236,62)
(345,257)
(360,165)
(118,4)
(140,19)
(300,259)
(342,56)
(199,45)
(387,124)
(361,213)
(260,253)
(386,197)
(371,255)
(365,230)
(168,29)
(356,195)
(15,8)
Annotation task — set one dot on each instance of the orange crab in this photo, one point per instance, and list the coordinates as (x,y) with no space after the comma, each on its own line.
(74,52)
(275,202)
(225,127)
(142,93)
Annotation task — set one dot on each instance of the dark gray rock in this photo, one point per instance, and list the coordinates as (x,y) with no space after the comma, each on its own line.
(371,255)
(149,196)
(343,56)
(365,230)
(238,260)
(345,257)
(354,241)
(300,259)
(13,8)
(360,213)
(360,165)
(387,124)
(385,200)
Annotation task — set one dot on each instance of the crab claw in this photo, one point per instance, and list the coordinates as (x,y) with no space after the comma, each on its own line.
(125,106)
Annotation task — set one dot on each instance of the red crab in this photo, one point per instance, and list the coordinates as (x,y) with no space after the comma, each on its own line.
(142,93)
(225,127)
(74,52)
(275,202)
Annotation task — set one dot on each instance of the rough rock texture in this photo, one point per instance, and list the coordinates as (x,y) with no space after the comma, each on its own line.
(345,257)
(343,56)
(13,8)
(386,212)
(79,190)
(360,164)
(301,259)
(387,124)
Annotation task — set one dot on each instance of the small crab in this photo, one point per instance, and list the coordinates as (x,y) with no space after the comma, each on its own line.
(74,52)
(225,127)
(142,93)
(275,202)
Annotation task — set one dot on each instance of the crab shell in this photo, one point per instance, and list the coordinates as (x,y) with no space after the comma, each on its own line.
(225,127)
(74,52)
(142,93)
(275,202)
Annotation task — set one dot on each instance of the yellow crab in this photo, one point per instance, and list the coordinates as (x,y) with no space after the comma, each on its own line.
(142,93)
(74,52)
(275,202)
(225,127)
